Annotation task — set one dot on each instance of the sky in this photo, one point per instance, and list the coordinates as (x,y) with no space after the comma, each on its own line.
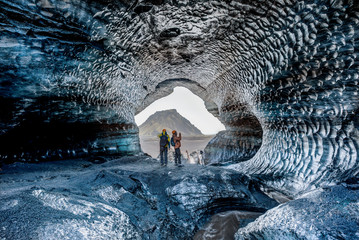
(189,106)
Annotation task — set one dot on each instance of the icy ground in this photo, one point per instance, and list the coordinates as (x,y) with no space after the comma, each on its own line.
(126,198)
(326,213)
(135,198)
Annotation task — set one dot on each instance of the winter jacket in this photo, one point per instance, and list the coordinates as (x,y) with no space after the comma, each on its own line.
(168,137)
(177,140)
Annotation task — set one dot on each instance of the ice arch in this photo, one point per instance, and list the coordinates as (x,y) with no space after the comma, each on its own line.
(243,135)
(89,66)
(189,105)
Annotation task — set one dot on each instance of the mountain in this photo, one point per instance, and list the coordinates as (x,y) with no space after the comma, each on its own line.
(168,119)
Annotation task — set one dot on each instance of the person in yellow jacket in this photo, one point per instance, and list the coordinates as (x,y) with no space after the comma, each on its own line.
(164,144)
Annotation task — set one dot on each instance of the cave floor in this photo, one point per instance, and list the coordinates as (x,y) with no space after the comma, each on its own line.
(154,199)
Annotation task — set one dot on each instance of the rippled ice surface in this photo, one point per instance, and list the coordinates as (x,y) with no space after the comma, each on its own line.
(329,213)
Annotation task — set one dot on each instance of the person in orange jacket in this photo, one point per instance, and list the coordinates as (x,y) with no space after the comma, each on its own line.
(177,142)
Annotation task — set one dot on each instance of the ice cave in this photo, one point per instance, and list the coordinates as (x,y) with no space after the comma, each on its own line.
(281,75)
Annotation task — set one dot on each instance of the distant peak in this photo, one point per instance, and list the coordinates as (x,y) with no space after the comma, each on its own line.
(168,111)
(170,120)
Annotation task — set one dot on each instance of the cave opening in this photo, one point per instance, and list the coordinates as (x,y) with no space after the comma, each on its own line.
(183,111)
(228,132)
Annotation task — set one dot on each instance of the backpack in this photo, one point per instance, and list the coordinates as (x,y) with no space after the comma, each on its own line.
(163,140)
(172,142)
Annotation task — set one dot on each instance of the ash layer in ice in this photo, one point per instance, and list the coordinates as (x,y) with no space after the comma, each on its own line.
(127,198)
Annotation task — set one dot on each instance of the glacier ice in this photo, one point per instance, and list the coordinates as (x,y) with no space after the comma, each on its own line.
(282,76)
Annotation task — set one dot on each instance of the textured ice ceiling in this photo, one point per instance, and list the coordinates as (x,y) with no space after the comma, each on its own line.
(282,74)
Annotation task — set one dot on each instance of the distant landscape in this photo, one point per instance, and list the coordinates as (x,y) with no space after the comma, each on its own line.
(151,145)
(169,120)
(192,137)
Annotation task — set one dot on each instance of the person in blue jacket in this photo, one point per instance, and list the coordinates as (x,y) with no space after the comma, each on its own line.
(164,146)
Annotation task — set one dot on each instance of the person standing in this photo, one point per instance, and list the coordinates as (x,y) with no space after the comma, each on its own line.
(200,158)
(164,144)
(177,142)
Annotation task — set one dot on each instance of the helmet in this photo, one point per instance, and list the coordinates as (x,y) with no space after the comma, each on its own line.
(174,131)
(163,130)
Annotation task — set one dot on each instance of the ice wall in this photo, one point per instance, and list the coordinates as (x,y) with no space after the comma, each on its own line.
(290,64)
(54,101)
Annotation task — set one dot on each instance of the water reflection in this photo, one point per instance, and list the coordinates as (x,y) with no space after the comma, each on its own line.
(224,225)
